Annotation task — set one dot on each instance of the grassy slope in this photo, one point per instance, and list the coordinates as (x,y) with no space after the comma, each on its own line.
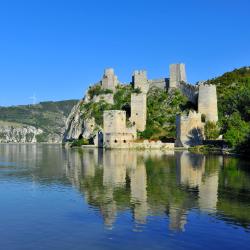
(49,116)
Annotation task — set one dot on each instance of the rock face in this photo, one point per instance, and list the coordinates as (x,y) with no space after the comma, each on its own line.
(18,133)
(77,126)
(48,117)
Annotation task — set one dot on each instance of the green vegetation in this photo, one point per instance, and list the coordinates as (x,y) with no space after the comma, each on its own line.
(205,149)
(79,142)
(233,90)
(162,108)
(211,130)
(95,110)
(49,116)
(97,90)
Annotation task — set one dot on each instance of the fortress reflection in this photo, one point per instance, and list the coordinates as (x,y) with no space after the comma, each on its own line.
(147,183)
(142,184)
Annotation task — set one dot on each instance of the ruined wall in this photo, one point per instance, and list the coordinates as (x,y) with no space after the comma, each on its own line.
(139,79)
(161,83)
(207,102)
(116,134)
(189,130)
(139,110)
(114,121)
(177,75)
(109,80)
(109,98)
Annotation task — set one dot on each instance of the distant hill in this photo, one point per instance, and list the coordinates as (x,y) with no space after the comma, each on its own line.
(48,116)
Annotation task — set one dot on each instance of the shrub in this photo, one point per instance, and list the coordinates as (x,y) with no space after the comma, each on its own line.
(211,130)
(79,142)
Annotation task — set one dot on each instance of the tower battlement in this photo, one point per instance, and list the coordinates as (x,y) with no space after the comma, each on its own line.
(109,79)
(140,80)
(177,75)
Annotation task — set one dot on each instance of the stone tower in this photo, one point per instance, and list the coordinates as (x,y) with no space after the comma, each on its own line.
(207,102)
(114,121)
(189,130)
(109,79)
(177,75)
(139,110)
(140,80)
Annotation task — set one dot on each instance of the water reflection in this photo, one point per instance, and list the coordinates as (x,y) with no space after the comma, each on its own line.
(147,184)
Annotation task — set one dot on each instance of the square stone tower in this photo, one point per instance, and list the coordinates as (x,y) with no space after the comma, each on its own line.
(207,102)
(114,121)
(140,80)
(109,80)
(177,75)
(139,110)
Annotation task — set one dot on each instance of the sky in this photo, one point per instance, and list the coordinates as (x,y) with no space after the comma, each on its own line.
(54,49)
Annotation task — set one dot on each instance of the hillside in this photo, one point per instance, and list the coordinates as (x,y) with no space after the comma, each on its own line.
(233,89)
(49,117)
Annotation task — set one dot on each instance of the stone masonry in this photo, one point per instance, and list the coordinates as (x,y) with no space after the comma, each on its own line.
(189,130)
(177,75)
(207,102)
(109,80)
(116,133)
(140,80)
(139,110)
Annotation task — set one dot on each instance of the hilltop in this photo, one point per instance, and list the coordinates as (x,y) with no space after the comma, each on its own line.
(43,122)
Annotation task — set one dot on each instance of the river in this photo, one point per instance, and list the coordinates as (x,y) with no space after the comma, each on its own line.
(56,198)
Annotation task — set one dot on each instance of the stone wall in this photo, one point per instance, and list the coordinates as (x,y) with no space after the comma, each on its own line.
(118,140)
(139,110)
(116,133)
(161,83)
(114,121)
(189,129)
(177,75)
(109,98)
(139,79)
(207,102)
(109,80)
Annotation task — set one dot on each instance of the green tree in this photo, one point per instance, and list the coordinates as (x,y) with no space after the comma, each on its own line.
(236,129)
(211,130)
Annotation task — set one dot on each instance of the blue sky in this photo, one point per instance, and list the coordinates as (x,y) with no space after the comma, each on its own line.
(56,48)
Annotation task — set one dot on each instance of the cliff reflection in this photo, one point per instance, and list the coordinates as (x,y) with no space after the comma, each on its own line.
(147,183)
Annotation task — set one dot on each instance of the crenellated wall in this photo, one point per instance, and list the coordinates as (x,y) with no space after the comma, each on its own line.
(139,79)
(109,80)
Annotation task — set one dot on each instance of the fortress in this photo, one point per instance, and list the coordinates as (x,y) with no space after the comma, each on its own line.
(120,132)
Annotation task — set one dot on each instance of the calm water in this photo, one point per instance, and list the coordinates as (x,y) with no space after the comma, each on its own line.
(53,198)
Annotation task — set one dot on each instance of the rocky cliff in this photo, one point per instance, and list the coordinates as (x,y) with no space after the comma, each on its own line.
(18,133)
(78,124)
(42,122)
